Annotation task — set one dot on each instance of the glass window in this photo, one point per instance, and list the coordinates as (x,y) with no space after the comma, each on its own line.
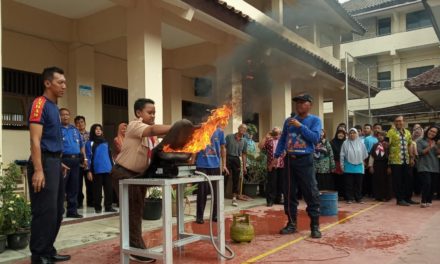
(384,26)
(384,80)
(413,72)
(417,20)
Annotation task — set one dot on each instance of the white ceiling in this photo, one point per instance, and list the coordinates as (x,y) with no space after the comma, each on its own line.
(173,38)
(69,8)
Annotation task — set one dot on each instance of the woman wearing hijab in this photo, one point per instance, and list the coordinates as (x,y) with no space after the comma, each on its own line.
(353,154)
(324,164)
(122,127)
(428,165)
(378,165)
(417,133)
(338,174)
(100,164)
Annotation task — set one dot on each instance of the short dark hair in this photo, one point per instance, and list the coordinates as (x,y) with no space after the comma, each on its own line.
(397,116)
(48,73)
(358,127)
(368,125)
(377,124)
(64,109)
(79,117)
(140,104)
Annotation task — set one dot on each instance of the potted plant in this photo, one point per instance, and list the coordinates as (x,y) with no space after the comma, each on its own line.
(256,174)
(15,210)
(153,204)
(189,190)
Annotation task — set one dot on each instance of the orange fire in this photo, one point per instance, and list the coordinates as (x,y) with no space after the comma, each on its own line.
(202,136)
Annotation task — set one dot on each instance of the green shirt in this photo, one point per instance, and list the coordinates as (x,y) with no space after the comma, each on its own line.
(399,146)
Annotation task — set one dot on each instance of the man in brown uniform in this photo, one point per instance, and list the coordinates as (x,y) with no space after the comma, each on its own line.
(133,160)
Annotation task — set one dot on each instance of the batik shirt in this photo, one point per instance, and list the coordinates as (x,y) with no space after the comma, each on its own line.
(399,144)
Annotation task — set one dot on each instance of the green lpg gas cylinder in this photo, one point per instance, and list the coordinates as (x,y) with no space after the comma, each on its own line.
(241,228)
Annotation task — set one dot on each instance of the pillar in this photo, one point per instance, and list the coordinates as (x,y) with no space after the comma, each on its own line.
(81,83)
(339,109)
(277,11)
(172,95)
(318,102)
(144,55)
(281,102)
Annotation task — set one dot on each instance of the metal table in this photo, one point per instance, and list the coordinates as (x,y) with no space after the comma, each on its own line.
(165,251)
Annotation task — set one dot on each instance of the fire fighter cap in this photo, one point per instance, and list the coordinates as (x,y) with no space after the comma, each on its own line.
(303,97)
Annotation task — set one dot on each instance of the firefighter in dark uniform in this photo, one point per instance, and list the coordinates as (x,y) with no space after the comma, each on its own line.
(45,171)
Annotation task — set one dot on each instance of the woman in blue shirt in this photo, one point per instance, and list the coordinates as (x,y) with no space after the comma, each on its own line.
(353,154)
(100,164)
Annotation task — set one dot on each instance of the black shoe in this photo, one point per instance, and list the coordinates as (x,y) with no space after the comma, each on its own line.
(98,211)
(42,260)
(60,258)
(402,203)
(76,215)
(314,228)
(111,210)
(214,219)
(200,221)
(269,204)
(142,259)
(412,202)
(290,228)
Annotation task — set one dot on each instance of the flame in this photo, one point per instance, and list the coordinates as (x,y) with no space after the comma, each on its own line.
(202,136)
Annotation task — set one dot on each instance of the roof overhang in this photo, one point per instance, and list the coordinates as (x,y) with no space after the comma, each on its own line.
(433,9)
(426,87)
(235,18)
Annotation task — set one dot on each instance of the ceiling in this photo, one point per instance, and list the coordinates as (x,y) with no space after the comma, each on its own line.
(173,38)
(73,9)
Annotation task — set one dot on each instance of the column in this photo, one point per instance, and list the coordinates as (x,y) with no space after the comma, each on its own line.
(281,102)
(318,102)
(144,55)
(277,11)
(339,108)
(172,95)
(81,82)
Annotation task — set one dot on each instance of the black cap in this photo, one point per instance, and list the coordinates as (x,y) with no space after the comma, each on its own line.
(303,97)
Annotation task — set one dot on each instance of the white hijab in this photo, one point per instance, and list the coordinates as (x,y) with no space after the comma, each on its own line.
(354,151)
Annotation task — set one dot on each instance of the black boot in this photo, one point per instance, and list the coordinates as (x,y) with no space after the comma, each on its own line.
(290,228)
(314,227)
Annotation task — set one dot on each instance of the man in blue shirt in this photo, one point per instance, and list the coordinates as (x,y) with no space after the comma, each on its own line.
(301,132)
(73,148)
(209,161)
(44,169)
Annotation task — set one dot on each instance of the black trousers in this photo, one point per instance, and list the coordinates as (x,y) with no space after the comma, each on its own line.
(234,167)
(47,207)
(203,191)
(402,182)
(274,186)
(89,188)
(102,181)
(71,183)
(353,186)
(300,172)
(367,184)
(426,179)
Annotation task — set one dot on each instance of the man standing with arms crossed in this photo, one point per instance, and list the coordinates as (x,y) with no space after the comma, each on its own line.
(44,169)
(301,133)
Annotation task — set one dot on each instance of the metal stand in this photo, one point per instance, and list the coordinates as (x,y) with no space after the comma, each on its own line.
(165,251)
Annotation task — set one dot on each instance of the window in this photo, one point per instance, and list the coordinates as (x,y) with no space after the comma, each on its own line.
(384,26)
(384,80)
(413,72)
(417,20)
(19,89)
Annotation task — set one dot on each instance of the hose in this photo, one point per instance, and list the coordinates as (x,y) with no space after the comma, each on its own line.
(210,221)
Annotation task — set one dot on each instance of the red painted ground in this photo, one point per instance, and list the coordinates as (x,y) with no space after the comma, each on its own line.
(378,235)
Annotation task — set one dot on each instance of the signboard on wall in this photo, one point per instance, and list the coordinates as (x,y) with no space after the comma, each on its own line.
(85,90)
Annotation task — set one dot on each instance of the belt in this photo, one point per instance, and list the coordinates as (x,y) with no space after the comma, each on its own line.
(231,156)
(299,156)
(51,154)
(71,156)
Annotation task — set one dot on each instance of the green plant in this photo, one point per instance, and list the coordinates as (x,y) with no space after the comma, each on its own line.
(154,193)
(15,210)
(256,169)
(188,191)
